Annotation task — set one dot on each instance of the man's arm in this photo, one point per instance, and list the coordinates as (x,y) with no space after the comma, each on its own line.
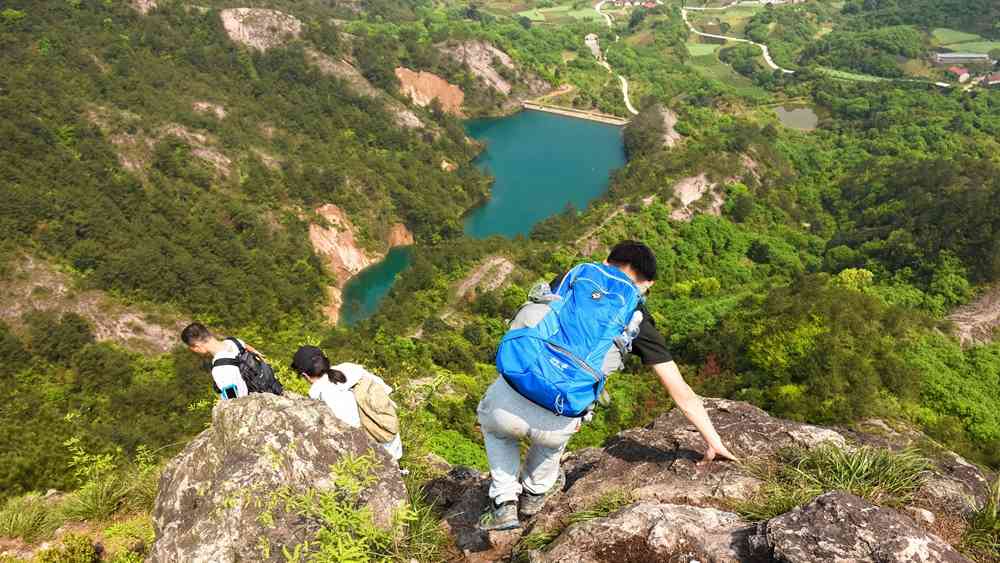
(690,405)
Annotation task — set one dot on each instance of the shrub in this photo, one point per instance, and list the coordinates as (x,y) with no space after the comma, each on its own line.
(74,549)
(346,530)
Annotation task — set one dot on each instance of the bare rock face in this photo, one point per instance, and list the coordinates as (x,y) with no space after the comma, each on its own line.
(215,500)
(653,532)
(260,28)
(841,527)
(424,87)
(495,68)
(347,72)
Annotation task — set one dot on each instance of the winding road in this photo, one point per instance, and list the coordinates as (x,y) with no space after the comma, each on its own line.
(767,54)
(595,48)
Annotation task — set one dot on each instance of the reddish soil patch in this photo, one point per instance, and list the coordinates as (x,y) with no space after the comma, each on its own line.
(423,87)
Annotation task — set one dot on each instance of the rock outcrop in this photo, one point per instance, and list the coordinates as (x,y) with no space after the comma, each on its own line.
(976,322)
(219,498)
(424,87)
(839,526)
(347,72)
(691,191)
(682,510)
(495,69)
(260,28)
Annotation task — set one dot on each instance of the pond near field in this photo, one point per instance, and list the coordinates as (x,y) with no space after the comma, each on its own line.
(802,118)
(541,163)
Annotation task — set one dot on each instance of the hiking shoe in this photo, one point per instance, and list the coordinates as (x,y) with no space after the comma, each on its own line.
(531,504)
(497,518)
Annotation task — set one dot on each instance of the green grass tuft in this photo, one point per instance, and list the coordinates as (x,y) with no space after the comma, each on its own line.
(29,517)
(880,476)
(981,540)
(97,499)
(609,502)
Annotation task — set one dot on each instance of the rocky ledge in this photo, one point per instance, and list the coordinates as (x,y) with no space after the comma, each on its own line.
(681,510)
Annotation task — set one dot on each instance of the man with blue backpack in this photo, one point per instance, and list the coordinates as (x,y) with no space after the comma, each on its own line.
(553,364)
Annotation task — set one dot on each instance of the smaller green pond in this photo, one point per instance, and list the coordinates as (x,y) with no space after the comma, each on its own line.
(364,291)
(802,118)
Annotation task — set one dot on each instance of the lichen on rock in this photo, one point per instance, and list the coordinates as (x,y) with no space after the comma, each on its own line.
(220,499)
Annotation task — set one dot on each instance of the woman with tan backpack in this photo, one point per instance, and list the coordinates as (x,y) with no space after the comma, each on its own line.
(356,396)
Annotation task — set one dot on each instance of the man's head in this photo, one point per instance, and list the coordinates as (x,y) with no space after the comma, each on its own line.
(198,338)
(636,260)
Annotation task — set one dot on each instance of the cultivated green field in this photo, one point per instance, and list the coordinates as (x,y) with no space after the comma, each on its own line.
(560,13)
(710,66)
(844,75)
(975,46)
(701,49)
(946,36)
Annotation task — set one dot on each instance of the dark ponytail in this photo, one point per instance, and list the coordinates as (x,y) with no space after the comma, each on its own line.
(320,365)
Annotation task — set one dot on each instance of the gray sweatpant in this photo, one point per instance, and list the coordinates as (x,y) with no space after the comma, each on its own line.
(505,418)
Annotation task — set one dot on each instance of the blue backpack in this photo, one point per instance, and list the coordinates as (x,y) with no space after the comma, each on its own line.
(557,362)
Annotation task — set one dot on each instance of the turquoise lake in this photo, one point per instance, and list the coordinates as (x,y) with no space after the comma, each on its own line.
(541,162)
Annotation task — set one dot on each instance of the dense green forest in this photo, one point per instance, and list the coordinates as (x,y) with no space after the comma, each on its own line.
(820,292)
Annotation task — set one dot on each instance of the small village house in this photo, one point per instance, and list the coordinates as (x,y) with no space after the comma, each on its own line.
(960,73)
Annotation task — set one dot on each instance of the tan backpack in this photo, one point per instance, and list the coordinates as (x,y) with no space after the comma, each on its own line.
(378,411)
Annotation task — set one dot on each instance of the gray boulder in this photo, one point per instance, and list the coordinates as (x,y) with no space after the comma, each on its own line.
(649,531)
(218,499)
(840,527)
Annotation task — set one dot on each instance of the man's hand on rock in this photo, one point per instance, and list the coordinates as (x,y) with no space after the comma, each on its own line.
(719,450)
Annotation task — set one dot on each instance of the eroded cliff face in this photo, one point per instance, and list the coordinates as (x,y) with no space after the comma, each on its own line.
(424,87)
(335,241)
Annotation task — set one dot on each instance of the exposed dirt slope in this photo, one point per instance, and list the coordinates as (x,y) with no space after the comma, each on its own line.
(38,285)
(423,87)
(976,322)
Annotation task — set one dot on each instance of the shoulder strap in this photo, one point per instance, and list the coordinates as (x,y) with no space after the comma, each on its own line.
(234,340)
(226,362)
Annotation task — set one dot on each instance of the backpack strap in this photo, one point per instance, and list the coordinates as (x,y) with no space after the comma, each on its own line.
(239,347)
(235,362)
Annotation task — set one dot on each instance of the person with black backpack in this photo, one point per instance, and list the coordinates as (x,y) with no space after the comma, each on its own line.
(237,368)
(552,366)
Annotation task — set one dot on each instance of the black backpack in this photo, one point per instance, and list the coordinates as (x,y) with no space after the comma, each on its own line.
(258,376)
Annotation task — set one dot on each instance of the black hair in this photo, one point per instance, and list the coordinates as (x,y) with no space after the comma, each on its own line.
(320,365)
(195,333)
(637,255)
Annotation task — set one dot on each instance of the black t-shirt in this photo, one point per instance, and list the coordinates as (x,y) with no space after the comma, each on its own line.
(649,344)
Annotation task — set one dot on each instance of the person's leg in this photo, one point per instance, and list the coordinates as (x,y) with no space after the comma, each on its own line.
(542,476)
(502,431)
(504,457)
(541,468)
